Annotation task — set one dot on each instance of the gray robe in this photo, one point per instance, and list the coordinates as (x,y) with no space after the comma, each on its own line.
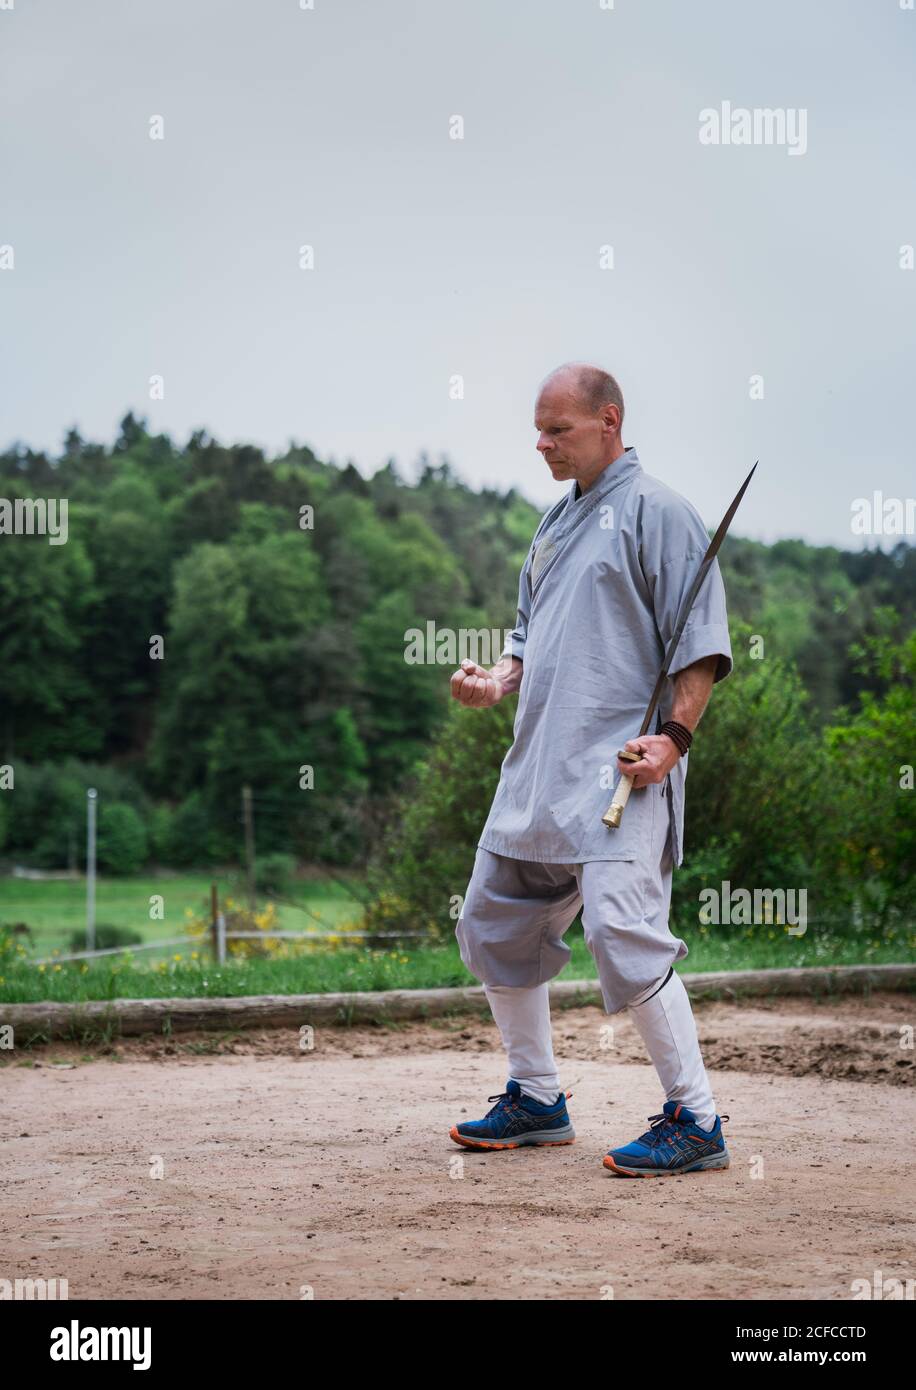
(599,596)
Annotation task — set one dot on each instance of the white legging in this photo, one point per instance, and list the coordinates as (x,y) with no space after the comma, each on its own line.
(662,1015)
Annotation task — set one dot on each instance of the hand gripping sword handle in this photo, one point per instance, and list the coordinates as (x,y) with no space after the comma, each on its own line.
(612,815)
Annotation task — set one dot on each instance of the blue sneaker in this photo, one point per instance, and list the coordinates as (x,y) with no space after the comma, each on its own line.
(516,1120)
(675,1143)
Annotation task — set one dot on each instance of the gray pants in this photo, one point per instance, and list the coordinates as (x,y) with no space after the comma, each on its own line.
(516,914)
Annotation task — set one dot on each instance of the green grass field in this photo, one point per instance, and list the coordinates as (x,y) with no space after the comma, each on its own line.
(54,910)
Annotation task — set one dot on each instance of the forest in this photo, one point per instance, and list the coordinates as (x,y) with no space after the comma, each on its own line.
(219,619)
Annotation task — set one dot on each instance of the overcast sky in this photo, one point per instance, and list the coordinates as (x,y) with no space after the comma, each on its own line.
(477,257)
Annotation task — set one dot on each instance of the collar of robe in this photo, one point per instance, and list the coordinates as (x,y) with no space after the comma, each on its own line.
(577,508)
(623,467)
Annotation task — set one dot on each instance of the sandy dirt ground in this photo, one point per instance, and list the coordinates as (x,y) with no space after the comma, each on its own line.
(329,1172)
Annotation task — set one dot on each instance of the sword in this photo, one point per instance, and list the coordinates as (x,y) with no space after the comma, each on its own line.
(614,812)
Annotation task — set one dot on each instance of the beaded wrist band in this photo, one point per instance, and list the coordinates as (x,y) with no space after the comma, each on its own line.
(680,736)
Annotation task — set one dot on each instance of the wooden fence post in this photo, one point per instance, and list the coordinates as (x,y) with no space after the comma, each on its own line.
(248,818)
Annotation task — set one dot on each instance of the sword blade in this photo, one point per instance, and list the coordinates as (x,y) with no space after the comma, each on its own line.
(688,603)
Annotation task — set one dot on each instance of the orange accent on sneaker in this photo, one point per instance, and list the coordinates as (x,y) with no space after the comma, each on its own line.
(496,1144)
(651,1172)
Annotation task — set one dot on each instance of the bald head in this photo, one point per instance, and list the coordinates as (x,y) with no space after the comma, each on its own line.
(592,387)
(579,416)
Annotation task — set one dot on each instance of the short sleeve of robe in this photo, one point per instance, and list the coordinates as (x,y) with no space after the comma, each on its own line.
(673,541)
(515,642)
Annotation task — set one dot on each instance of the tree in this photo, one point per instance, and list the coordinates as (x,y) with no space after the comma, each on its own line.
(872,801)
(47,595)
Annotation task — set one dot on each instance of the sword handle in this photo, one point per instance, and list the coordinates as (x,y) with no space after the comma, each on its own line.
(614,812)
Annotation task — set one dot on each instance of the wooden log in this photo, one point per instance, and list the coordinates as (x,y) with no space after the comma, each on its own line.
(134,1017)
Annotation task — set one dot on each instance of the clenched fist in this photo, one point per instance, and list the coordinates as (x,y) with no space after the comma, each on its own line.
(475,687)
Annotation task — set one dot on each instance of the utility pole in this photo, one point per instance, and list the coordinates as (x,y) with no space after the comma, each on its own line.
(91,798)
(214,913)
(248,818)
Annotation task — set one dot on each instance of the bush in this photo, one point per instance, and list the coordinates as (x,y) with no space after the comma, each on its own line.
(122,839)
(107,937)
(425,859)
(872,850)
(755,789)
(263,921)
(47,809)
(273,872)
(161,829)
(190,838)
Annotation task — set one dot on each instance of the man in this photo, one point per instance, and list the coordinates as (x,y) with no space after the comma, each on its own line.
(599,596)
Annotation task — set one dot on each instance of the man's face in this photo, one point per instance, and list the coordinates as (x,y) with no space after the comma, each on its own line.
(573,442)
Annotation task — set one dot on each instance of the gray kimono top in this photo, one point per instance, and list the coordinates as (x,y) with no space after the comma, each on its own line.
(598,600)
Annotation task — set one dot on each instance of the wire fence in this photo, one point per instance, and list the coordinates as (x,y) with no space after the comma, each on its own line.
(222,936)
(217,936)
